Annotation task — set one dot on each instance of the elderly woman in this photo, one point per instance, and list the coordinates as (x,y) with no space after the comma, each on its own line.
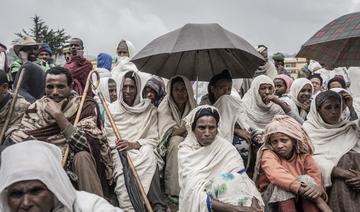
(285,168)
(336,143)
(33,179)
(211,172)
(154,90)
(261,104)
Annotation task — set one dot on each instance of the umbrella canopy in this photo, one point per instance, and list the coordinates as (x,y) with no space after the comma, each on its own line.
(199,51)
(336,44)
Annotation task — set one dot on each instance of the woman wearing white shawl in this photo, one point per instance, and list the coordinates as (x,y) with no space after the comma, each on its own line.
(258,112)
(137,125)
(201,168)
(331,141)
(125,50)
(40,161)
(170,123)
(300,97)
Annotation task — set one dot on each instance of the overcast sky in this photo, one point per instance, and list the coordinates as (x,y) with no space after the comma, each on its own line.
(282,25)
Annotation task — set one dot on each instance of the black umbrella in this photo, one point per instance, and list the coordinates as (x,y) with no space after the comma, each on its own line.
(199,51)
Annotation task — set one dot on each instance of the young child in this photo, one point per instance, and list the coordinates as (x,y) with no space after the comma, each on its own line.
(286,174)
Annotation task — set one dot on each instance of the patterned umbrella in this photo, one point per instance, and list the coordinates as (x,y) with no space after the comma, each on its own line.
(337,44)
(199,51)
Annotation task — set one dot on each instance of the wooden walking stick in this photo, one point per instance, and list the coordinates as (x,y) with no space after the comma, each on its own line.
(118,137)
(12,105)
(82,101)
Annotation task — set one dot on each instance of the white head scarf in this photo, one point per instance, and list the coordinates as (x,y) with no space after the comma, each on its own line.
(295,89)
(104,88)
(35,160)
(168,113)
(130,47)
(331,141)
(259,113)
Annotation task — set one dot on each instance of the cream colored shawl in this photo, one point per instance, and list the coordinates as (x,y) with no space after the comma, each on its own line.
(330,142)
(259,114)
(295,89)
(169,115)
(231,112)
(200,164)
(136,123)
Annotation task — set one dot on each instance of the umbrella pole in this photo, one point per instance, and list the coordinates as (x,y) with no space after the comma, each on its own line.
(197,88)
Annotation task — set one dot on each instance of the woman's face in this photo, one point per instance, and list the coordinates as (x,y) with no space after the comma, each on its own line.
(305,93)
(282,145)
(30,195)
(205,130)
(265,90)
(280,87)
(150,94)
(330,110)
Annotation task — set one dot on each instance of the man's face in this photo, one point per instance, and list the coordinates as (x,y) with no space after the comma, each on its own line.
(44,55)
(265,54)
(67,54)
(75,47)
(122,52)
(179,93)
(56,87)
(279,63)
(112,91)
(129,91)
(222,87)
(31,52)
(264,91)
(205,130)
(31,196)
(316,84)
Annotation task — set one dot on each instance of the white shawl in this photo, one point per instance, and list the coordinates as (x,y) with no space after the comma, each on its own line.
(259,114)
(199,164)
(231,112)
(330,142)
(136,123)
(169,115)
(295,89)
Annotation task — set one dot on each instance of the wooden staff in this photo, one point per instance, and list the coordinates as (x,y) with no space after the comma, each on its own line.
(118,137)
(82,101)
(12,105)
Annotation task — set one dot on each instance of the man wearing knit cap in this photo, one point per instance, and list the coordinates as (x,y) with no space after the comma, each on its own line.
(279,63)
(44,57)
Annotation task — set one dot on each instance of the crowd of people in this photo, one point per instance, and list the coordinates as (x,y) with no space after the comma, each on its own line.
(270,143)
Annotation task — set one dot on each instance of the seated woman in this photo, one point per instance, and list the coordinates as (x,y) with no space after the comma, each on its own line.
(176,105)
(211,172)
(317,82)
(107,87)
(154,90)
(261,104)
(33,179)
(286,173)
(336,143)
(300,97)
